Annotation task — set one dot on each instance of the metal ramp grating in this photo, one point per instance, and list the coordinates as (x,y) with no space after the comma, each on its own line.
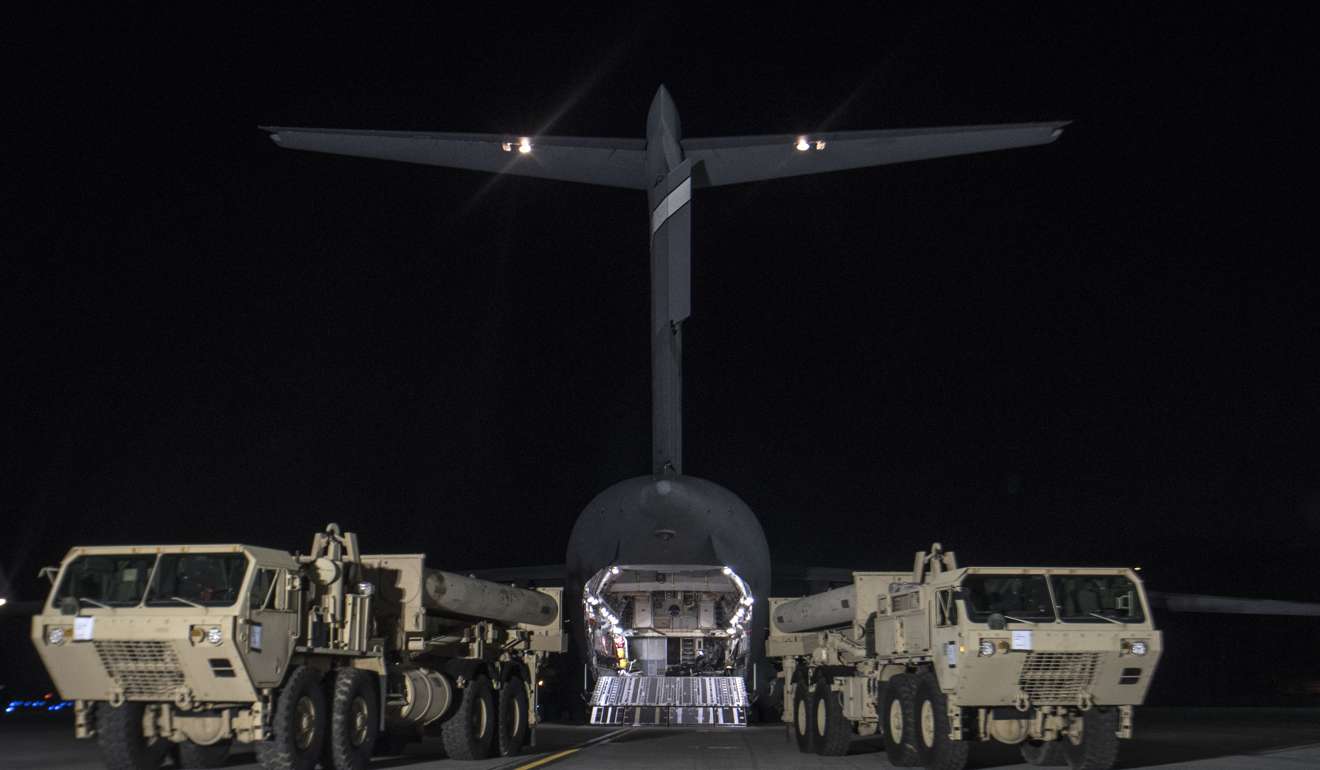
(669,700)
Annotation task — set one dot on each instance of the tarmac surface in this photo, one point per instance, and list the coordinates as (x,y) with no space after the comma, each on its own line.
(1222,738)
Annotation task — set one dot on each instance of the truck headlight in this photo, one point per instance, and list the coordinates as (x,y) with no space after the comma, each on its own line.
(1135,646)
(213,635)
(987,648)
(55,635)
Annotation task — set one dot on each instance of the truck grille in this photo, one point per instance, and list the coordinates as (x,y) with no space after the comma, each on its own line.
(141,668)
(1057,677)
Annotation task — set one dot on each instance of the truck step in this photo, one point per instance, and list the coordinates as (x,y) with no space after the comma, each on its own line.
(669,700)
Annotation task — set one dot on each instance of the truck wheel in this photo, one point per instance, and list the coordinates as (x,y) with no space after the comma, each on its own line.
(299,726)
(897,720)
(1044,753)
(803,709)
(195,755)
(513,725)
(354,719)
(469,732)
(831,732)
(1098,747)
(123,746)
(938,751)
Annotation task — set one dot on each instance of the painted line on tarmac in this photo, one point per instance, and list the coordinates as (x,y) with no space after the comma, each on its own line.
(566,752)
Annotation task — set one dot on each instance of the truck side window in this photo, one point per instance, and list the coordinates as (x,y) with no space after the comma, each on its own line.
(263,583)
(947,613)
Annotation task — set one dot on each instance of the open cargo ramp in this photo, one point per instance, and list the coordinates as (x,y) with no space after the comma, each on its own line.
(669,700)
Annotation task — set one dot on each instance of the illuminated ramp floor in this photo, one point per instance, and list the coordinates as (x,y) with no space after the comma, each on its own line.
(669,700)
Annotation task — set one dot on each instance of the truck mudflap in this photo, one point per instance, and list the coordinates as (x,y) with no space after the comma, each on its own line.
(669,700)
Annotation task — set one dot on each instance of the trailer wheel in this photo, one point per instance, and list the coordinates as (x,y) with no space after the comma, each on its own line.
(831,732)
(470,730)
(1098,747)
(119,735)
(299,725)
(938,751)
(803,709)
(1044,753)
(513,725)
(354,719)
(898,721)
(196,755)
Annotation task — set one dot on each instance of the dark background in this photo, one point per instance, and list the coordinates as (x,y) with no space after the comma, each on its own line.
(1101,351)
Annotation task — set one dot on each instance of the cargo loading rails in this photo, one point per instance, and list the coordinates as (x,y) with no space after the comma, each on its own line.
(669,700)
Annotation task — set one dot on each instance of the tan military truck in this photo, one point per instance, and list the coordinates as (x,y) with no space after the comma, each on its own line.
(314,658)
(1051,659)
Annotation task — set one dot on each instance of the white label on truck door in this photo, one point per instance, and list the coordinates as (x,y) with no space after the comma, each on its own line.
(256,636)
(1021,640)
(951,654)
(82,629)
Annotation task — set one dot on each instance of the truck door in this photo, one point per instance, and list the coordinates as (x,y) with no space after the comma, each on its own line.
(946,642)
(272,625)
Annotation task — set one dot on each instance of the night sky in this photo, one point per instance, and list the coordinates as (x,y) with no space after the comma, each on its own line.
(1099,351)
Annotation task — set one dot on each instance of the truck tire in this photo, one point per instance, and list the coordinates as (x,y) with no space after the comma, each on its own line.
(803,709)
(938,751)
(1098,748)
(831,732)
(119,735)
(898,722)
(354,719)
(470,731)
(1044,753)
(299,726)
(512,723)
(196,755)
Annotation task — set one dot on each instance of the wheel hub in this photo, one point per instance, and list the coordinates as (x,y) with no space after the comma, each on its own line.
(896,721)
(305,723)
(358,712)
(928,723)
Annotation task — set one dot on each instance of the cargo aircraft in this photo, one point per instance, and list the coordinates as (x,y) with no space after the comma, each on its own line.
(669,570)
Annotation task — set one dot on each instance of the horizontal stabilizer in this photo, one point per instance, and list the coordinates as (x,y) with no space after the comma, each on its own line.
(608,162)
(735,159)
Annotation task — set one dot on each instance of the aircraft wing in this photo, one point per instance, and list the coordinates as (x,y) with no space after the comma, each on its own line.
(1228,605)
(735,159)
(540,575)
(608,162)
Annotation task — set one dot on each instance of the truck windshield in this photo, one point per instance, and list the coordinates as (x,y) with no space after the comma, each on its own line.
(1021,597)
(105,580)
(1097,599)
(201,579)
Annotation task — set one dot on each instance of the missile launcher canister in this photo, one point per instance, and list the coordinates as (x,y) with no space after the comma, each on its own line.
(183,650)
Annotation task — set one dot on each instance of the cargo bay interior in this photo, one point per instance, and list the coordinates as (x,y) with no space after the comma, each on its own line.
(651,627)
